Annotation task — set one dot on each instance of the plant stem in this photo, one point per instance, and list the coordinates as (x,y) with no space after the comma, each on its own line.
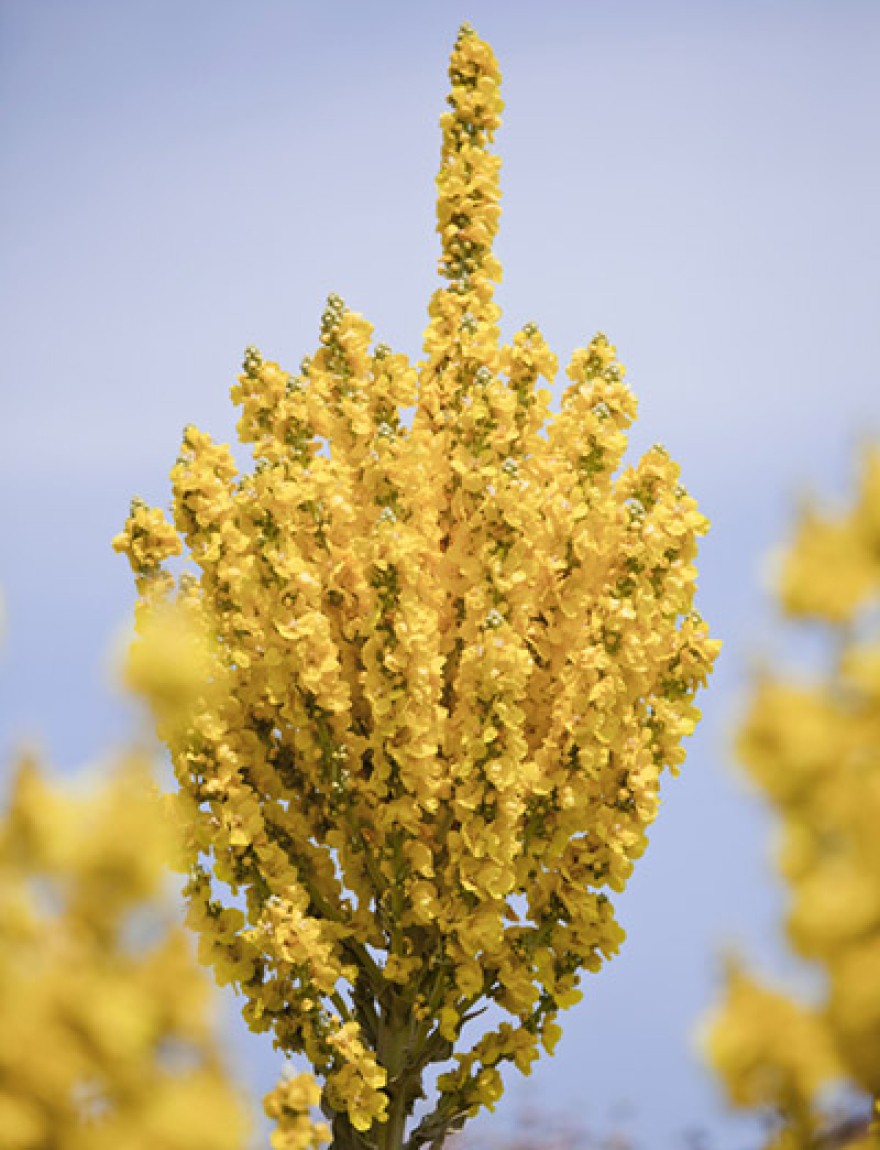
(391,1132)
(395,1032)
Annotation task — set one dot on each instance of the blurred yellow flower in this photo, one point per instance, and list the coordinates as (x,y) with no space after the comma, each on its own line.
(814,749)
(105,1039)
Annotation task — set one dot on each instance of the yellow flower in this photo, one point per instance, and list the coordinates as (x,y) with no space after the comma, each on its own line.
(86,1016)
(811,746)
(289,1104)
(769,1050)
(452,640)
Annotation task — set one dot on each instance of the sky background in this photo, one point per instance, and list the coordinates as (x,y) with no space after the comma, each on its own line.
(700,181)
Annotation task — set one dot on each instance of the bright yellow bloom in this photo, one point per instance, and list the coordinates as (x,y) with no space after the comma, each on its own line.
(104,1036)
(814,748)
(770,1050)
(456,649)
(289,1105)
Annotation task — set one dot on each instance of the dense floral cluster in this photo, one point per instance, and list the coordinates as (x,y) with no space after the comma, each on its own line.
(290,1104)
(814,749)
(104,1036)
(452,648)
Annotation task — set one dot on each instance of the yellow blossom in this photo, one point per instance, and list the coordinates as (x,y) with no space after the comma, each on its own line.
(289,1104)
(811,745)
(104,1035)
(454,649)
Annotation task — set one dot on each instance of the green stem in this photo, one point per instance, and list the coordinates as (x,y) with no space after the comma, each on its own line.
(391,1132)
(395,1053)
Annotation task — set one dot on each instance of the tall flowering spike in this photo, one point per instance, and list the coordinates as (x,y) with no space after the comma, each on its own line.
(463,335)
(469,193)
(452,657)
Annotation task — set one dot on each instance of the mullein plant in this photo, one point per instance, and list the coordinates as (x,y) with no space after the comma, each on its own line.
(813,748)
(451,648)
(106,1040)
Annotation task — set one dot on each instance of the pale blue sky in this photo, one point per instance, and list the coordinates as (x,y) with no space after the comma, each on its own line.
(698,180)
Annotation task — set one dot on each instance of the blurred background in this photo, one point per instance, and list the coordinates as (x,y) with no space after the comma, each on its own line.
(700,180)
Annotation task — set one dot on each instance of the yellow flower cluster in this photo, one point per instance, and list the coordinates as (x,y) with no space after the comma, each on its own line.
(104,1038)
(455,648)
(832,570)
(814,749)
(289,1104)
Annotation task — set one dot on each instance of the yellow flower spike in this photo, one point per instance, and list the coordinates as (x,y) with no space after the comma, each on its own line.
(78,871)
(455,652)
(770,1050)
(810,745)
